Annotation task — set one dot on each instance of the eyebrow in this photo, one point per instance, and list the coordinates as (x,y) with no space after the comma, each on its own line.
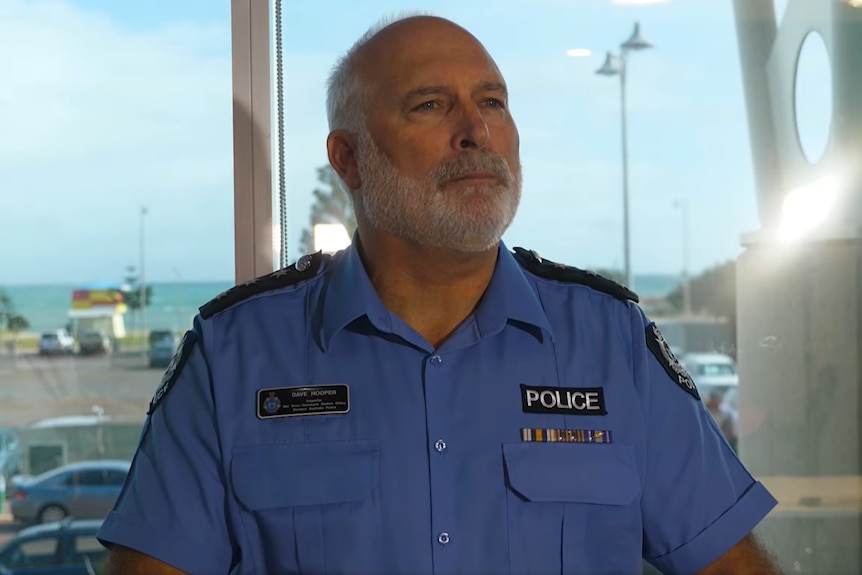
(441,89)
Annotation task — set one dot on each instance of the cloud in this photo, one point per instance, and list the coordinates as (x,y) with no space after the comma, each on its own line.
(98,120)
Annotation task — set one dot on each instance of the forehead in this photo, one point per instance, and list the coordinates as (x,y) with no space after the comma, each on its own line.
(415,55)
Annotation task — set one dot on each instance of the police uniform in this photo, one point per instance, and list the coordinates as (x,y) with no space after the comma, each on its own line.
(304,428)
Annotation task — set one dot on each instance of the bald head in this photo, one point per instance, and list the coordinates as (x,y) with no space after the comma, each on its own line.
(384,54)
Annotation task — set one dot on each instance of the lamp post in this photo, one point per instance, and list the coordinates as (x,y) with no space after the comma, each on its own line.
(682,205)
(615,65)
(178,313)
(142,295)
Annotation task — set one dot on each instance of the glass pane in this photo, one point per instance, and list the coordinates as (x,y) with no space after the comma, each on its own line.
(87,545)
(695,186)
(116,187)
(37,552)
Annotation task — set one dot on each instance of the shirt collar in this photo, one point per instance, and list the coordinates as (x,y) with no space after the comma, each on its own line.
(510,297)
(350,295)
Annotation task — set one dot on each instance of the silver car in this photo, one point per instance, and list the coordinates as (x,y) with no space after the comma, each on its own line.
(83,490)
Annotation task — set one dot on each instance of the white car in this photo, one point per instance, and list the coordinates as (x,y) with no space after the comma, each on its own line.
(56,342)
(711,371)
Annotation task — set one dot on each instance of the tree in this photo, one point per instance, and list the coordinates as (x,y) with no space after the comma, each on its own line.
(331,205)
(712,292)
(131,291)
(10,320)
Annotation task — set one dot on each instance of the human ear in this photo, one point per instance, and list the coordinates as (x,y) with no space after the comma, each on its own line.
(341,148)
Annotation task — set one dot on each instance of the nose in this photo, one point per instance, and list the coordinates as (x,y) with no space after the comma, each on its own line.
(471,131)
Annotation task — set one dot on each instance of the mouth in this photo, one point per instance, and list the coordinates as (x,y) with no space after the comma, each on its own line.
(475,178)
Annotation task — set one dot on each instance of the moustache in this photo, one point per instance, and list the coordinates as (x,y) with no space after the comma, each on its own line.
(466,164)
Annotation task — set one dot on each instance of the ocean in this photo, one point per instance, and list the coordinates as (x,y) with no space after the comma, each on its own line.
(174,305)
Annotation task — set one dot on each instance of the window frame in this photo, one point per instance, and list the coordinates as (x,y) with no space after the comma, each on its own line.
(252,134)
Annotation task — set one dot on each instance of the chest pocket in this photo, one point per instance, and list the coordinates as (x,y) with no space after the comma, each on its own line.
(573,509)
(312,507)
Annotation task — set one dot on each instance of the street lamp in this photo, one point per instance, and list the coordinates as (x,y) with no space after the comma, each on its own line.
(686,282)
(615,65)
(142,295)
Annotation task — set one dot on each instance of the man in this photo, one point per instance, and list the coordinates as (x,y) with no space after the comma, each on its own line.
(426,401)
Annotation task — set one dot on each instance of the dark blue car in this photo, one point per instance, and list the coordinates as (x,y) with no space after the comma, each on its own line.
(64,548)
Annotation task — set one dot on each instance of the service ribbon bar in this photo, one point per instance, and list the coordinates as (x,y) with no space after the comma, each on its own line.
(567,435)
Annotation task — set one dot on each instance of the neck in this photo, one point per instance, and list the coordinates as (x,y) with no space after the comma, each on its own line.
(432,289)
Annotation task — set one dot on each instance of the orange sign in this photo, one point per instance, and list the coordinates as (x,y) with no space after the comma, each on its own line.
(98,298)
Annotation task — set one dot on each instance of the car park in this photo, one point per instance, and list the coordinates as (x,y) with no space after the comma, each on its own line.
(83,490)
(56,342)
(67,547)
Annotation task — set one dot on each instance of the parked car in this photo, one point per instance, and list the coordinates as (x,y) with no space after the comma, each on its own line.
(163,345)
(56,342)
(64,548)
(711,372)
(83,490)
(93,341)
(10,453)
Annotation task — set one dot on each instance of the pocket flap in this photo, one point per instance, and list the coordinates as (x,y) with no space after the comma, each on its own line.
(563,472)
(316,473)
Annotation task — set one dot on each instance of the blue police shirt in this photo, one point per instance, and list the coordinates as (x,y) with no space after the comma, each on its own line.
(542,437)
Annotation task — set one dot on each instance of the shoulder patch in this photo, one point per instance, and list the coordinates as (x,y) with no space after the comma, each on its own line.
(661,350)
(305,268)
(173,371)
(534,263)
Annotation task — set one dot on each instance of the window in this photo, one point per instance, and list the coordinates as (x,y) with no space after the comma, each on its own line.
(742,211)
(32,553)
(91,478)
(88,544)
(115,477)
(735,215)
(715,369)
(116,183)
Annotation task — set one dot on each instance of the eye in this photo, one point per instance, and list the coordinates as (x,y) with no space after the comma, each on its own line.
(427,106)
(494,103)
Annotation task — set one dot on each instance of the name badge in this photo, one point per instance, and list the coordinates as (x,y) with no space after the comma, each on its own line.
(307,400)
(563,400)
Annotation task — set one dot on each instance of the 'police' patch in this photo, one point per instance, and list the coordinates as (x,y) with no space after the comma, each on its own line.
(563,400)
(661,350)
(307,400)
(173,371)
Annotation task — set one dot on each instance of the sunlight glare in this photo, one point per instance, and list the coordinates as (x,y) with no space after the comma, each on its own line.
(329,238)
(807,207)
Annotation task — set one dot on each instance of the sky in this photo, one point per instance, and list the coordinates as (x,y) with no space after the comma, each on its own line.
(108,106)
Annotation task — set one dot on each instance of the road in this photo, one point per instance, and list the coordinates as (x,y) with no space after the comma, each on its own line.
(34,388)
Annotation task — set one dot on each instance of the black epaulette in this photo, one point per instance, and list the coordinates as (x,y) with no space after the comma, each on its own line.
(305,268)
(561,272)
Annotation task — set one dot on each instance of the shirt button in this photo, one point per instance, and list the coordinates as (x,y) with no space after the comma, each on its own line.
(436,360)
(443,538)
(440,445)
